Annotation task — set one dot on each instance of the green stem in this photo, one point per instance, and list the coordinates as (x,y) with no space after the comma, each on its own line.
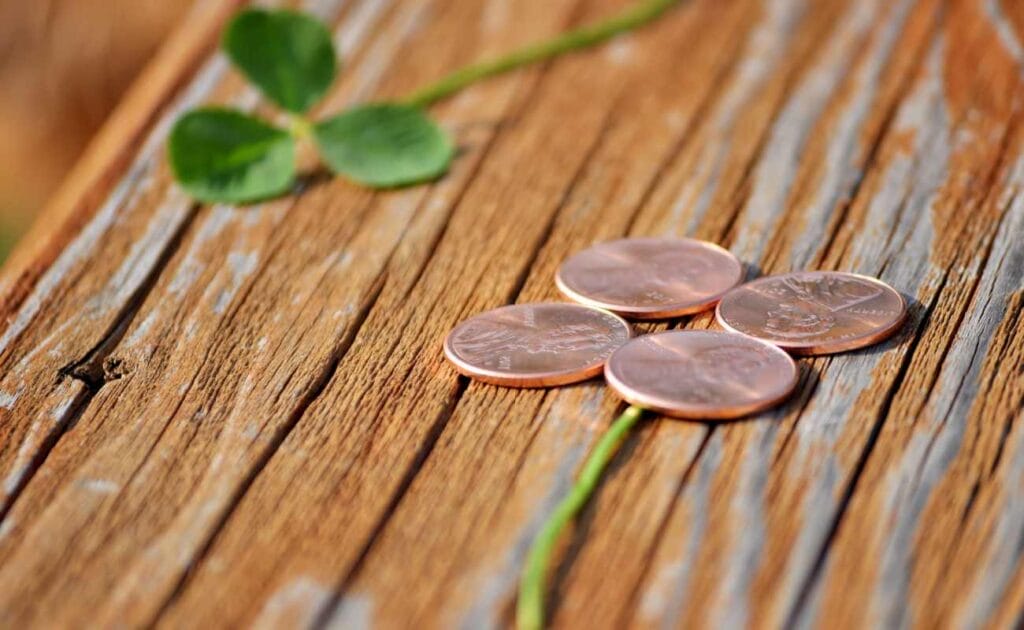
(533,584)
(638,15)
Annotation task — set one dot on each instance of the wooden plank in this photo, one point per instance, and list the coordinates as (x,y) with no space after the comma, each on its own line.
(226,416)
(933,535)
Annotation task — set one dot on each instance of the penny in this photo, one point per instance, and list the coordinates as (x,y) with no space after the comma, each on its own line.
(814,312)
(701,374)
(650,278)
(535,345)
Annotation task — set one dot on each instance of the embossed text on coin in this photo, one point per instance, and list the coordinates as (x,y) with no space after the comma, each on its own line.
(814,312)
(535,345)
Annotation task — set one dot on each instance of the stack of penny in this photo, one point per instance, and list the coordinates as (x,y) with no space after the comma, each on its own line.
(697,374)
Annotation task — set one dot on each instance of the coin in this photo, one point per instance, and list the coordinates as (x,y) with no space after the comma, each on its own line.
(814,312)
(701,374)
(650,278)
(535,345)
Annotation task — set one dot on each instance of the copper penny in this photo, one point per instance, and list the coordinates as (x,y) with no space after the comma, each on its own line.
(535,345)
(701,374)
(814,312)
(650,278)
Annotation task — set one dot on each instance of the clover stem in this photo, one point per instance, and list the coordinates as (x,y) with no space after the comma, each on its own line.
(533,583)
(636,16)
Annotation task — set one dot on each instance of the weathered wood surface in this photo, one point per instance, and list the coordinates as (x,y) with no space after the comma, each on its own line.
(214,416)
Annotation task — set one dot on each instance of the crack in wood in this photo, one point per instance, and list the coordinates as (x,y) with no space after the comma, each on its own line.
(74,412)
(740,194)
(684,137)
(408,476)
(633,602)
(804,593)
(516,289)
(523,456)
(437,428)
(876,141)
(97,368)
(584,522)
(664,164)
(961,317)
(1011,418)
(425,448)
(805,388)
(316,388)
(869,161)
(549,227)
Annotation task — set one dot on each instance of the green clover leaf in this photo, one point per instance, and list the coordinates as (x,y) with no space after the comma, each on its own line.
(384,145)
(288,55)
(222,155)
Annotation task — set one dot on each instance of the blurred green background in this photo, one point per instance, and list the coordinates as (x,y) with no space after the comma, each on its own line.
(63,66)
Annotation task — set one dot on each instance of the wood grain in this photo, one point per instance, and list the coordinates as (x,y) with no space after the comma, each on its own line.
(216,416)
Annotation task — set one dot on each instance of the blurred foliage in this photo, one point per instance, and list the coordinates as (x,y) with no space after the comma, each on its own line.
(12,225)
(63,64)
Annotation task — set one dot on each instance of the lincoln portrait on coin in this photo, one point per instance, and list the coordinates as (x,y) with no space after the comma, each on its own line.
(487,342)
